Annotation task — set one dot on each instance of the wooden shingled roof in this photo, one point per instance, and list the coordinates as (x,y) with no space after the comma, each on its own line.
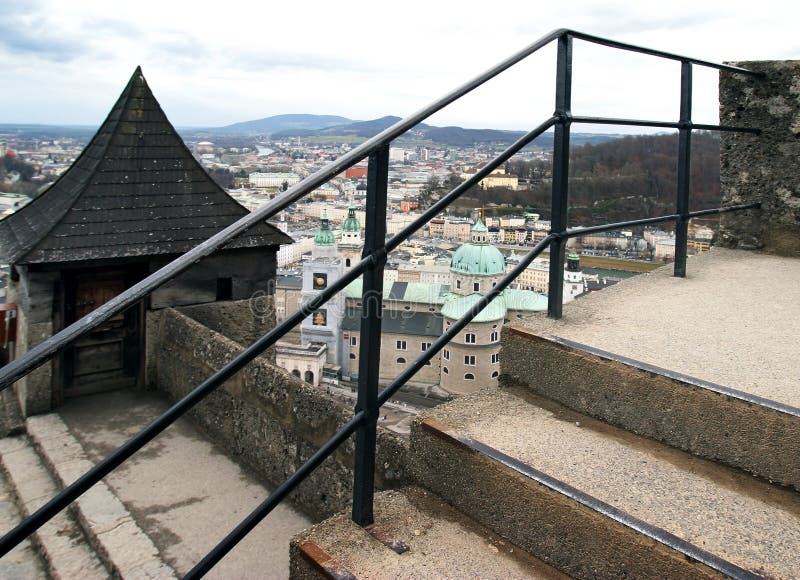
(135,190)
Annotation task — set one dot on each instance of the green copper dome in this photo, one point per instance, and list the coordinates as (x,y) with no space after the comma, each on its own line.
(479,227)
(325,236)
(480,259)
(351,224)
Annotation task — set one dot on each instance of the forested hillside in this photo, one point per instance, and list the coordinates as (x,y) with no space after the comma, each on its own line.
(628,178)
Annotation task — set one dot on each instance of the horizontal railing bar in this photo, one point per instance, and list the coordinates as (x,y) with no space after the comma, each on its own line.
(503,283)
(576,232)
(135,443)
(254,518)
(459,190)
(660,53)
(665,124)
(41,353)
(459,325)
(161,423)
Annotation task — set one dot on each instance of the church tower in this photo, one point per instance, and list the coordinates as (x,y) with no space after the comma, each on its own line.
(351,245)
(573,278)
(324,268)
(472,359)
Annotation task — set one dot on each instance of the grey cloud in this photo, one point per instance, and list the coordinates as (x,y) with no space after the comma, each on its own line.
(20,39)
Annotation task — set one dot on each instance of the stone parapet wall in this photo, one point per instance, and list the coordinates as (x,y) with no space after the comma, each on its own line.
(765,167)
(267,418)
(242,321)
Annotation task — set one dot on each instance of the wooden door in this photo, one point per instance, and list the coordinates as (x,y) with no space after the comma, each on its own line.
(108,357)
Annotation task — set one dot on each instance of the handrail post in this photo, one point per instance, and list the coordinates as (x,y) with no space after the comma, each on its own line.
(560,195)
(370,347)
(684,170)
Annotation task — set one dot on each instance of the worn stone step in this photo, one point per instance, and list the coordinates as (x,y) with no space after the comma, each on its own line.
(22,562)
(594,500)
(415,535)
(734,427)
(60,542)
(124,547)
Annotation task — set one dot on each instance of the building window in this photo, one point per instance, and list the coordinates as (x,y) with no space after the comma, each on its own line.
(495,336)
(401,345)
(445,371)
(469,377)
(469,359)
(495,374)
(347,262)
(352,356)
(353,340)
(495,358)
(406,308)
(401,361)
(469,338)
(476,286)
(425,346)
(446,354)
(458,284)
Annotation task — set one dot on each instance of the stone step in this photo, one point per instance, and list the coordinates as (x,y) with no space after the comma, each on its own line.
(415,535)
(60,542)
(737,428)
(124,547)
(594,500)
(23,561)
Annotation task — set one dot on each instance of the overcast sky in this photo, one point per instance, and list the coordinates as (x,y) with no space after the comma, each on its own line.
(212,64)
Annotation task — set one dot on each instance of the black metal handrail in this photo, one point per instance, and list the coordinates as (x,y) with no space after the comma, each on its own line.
(364,420)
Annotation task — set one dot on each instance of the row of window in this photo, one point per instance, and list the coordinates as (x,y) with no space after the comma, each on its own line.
(469,359)
(469,376)
(469,338)
(476,286)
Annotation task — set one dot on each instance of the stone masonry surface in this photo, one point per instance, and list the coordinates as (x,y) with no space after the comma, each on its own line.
(764,167)
(267,418)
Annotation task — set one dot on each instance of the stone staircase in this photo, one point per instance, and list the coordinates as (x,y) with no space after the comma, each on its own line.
(95,537)
(601,465)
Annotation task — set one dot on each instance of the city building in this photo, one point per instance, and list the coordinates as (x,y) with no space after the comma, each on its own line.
(419,306)
(272,179)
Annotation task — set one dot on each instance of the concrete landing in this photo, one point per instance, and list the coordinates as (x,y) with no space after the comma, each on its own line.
(733,321)
(722,511)
(182,490)
(435,541)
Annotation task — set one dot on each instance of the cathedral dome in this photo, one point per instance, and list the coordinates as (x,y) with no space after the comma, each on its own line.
(478,258)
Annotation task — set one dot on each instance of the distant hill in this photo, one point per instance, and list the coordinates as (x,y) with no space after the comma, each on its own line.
(47,131)
(456,136)
(280,123)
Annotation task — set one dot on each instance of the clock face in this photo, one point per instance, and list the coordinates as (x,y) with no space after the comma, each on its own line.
(320,281)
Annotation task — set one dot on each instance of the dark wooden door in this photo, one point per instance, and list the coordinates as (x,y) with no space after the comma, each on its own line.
(108,357)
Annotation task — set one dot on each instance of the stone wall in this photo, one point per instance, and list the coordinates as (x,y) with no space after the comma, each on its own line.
(762,168)
(33,293)
(267,418)
(242,321)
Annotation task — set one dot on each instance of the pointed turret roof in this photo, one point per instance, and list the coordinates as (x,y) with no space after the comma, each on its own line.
(135,190)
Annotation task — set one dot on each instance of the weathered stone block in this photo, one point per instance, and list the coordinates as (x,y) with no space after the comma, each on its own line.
(765,167)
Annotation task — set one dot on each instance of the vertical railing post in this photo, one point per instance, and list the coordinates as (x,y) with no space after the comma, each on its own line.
(370,347)
(560,195)
(684,170)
